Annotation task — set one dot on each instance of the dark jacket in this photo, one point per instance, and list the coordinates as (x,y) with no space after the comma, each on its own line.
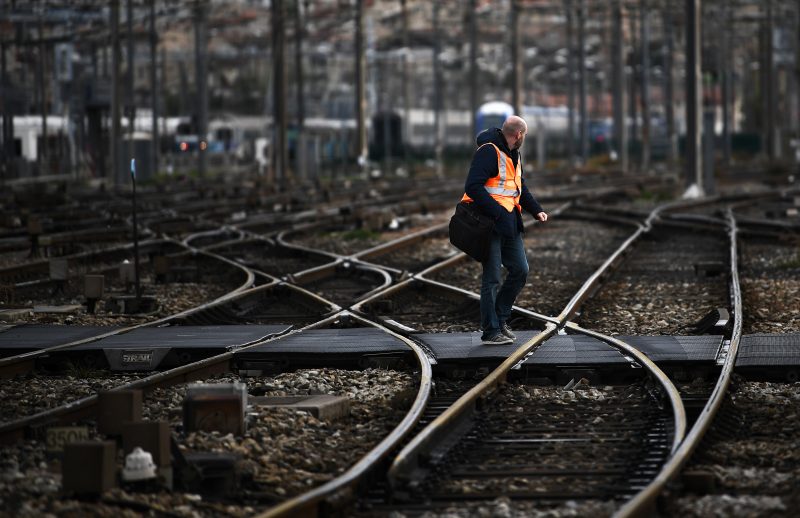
(484,166)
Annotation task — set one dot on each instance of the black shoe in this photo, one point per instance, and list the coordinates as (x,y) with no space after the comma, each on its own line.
(506,331)
(498,339)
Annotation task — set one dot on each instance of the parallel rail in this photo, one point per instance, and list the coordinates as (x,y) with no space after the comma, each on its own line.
(684,443)
(26,362)
(644,502)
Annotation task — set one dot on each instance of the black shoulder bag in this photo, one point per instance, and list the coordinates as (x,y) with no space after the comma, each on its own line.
(470,231)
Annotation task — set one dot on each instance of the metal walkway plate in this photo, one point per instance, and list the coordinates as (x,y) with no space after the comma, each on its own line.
(575,350)
(467,346)
(677,348)
(359,340)
(41,336)
(186,337)
(766,350)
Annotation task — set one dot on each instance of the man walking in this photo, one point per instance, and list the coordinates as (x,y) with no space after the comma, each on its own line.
(496,187)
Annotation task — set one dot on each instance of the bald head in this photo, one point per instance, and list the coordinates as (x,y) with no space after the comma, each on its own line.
(514,130)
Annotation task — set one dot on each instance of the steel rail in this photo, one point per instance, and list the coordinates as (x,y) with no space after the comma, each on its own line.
(402,285)
(400,242)
(81,408)
(330,269)
(476,296)
(280,238)
(256,290)
(210,233)
(25,362)
(642,503)
(343,487)
(40,267)
(280,241)
(255,239)
(408,459)
(584,291)
(674,396)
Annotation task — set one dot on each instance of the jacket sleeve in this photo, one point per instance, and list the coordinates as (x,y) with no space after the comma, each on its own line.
(528,202)
(484,166)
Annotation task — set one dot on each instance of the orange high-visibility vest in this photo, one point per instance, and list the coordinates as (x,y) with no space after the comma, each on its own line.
(506,187)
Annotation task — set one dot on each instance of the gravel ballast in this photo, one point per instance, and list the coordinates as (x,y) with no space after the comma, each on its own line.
(284,452)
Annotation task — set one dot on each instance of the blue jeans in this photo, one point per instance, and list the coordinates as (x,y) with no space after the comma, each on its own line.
(496,300)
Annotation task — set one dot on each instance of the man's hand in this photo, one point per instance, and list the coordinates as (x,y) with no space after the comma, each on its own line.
(542,216)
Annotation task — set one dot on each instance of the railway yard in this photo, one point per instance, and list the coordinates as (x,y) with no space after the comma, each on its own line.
(317,353)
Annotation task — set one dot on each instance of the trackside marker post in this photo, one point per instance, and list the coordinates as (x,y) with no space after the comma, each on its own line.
(135,232)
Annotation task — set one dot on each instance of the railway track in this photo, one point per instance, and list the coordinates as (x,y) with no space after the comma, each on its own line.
(440,440)
(465,435)
(277,461)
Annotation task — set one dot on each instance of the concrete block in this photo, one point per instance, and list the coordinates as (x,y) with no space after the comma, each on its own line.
(89,467)
(699,482)
(34,226)
(59,267)
(116,408)
(13,315)
(161,264)
(709,268)
(323,406)
(151,436)
(59,310)
(215,407)
(94,286)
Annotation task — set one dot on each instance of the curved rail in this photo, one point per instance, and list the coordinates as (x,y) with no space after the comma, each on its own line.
(644,499)
(674,396)
(326,270)
(343,486)
(408,458)
(222,231)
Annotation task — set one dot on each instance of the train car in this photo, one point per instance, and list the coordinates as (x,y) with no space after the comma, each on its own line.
(493,115)
(28,135)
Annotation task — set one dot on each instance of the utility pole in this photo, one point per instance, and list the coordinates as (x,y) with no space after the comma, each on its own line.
(618,59)
(116,96)
(130,107)
(361,91)
(795,118)
(516,58)
(164,87)
(644,24)
(155,140)
(473,66)
(632,98)
(300,147)
(42,153)
(201,80)
(406,92)
(570,87)
(694,157)
(584,119)
(726,56)
(437,90)
(669,89)
(768,82)
(7,117)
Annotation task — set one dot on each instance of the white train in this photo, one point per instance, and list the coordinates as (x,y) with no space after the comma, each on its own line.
(328,142)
